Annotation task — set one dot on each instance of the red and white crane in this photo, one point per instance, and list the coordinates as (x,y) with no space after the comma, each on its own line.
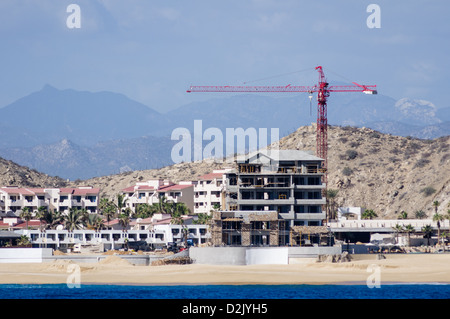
(323,90)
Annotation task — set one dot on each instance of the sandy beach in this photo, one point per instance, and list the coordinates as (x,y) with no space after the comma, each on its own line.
(404,268)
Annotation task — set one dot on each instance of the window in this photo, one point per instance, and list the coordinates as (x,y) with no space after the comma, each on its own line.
(314,181)
(314,195)
(314,209)
(299,209)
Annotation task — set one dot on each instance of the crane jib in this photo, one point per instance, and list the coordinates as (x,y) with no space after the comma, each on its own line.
(368,89)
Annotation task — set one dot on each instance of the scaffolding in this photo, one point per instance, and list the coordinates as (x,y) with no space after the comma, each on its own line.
(302,235)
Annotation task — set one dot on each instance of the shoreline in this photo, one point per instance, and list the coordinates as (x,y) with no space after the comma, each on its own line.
(395,269)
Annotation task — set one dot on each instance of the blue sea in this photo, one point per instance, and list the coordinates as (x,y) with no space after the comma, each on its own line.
(184,292)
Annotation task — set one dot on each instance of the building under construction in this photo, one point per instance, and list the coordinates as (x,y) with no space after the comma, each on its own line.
(273,198)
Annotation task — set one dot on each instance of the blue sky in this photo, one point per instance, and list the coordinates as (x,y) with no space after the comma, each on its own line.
(152,50)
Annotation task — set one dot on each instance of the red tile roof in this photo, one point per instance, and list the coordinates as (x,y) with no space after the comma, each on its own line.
(111,222)
(16,190)
(31,223)
(4,225)
(37,190)
(34,191)
(139,187)
(210,176)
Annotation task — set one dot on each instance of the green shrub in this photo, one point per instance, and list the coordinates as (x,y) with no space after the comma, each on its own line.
(421,163)
(351,154)
(347,171)
(427,191)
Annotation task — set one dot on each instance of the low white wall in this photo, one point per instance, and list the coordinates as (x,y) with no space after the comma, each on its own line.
(24,255)
(256,255)
(218,255)
(267,256)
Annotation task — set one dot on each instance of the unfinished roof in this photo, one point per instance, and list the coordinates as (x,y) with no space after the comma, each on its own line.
(310,229)
(279,155)
(80,191)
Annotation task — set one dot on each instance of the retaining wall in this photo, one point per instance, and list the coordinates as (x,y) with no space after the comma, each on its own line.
(257,255)
(24,255)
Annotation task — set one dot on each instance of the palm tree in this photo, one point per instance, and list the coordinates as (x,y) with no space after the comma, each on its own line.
(369,214)
(398,229)
(41,214)
(438,218)
(420,214)
(436,205)
(124,221)
(162,206)
(144,210)
(107,208)
(403,215)
(23,241)
(84,215)
(73,220)
(177,210)
(409,229)
(94,222)
(54,218)
(331,202)
(120,203)
(427,231)
(26,215)
(203,219)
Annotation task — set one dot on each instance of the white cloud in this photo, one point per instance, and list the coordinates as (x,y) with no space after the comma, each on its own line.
(169,13)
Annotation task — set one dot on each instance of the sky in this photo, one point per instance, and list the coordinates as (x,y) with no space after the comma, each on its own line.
(153,50)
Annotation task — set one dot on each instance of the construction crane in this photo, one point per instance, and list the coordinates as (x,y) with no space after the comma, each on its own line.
(323,90)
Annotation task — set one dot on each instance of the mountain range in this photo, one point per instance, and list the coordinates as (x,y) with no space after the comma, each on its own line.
(79,135)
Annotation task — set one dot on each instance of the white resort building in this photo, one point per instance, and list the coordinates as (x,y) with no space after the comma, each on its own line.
(151,191)
(208,190)
(14,199)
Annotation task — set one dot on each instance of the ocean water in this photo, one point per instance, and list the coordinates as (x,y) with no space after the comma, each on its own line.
(236,292)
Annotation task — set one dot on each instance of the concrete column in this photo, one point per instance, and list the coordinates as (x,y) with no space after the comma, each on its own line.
(245,234)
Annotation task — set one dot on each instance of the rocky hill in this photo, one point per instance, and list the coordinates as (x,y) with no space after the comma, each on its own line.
(12,174)
(386,173)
